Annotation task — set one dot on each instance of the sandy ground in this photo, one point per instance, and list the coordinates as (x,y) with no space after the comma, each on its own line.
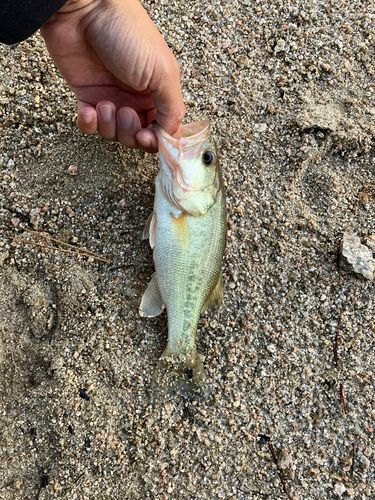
(289,89)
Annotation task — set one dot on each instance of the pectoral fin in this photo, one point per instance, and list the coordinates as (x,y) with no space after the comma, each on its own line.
(152,303)
(149,231)
(216,296)
(181,233)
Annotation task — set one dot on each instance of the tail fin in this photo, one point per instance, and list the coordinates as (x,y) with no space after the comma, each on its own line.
(183,375)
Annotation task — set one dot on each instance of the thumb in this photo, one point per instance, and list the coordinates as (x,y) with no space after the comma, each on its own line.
(167,98)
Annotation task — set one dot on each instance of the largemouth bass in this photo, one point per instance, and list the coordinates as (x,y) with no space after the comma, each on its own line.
(187,231)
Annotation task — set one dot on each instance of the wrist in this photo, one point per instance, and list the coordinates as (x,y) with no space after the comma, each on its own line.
(72,5)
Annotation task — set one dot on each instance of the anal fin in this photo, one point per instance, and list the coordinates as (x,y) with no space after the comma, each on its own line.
(215,298)
(151,303)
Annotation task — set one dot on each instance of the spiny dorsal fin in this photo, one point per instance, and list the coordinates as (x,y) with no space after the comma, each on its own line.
(215,298)
(151,303)
(149,231)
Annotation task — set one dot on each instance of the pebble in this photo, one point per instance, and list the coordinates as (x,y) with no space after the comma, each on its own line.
(242,61)
(280,46)
(285,459)
(339,489)
(356,257)
(364,461)
(72,169)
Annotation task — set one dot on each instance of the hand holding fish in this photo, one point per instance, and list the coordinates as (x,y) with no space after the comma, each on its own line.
(119,67)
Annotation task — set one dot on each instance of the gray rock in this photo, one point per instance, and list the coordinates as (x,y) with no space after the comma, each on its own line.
(356,257)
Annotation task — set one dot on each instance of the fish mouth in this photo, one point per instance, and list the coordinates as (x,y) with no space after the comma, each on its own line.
(186,136)
(185,144)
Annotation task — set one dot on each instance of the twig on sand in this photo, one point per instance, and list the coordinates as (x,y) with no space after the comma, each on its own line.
(58,241)
(93,256)
(335,358)
(279,471)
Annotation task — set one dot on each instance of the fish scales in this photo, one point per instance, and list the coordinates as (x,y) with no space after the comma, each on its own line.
(189,276)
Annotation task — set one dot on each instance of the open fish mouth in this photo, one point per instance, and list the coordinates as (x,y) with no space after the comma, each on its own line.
(185,145)
(191,133)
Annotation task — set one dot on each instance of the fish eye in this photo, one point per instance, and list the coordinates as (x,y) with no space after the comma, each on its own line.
(208,158)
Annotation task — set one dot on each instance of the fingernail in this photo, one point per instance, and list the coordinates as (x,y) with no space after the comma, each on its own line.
(86,117)
(125,117)
(106,113)
(145,143)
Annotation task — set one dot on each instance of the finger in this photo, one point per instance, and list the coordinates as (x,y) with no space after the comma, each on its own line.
(131,134)
(167,97)
(128,124)
(87,121)
(107,120)
(147,140)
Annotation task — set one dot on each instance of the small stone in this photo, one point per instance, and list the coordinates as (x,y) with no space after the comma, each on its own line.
(291,294)
(17,483)
(365,461)
(356,257)
(232,285)
(72,170)
(260,127)
(280,46)
(10,164)
(56,363)
(285,459)
(15,221)
(313,472)
(242,61)
(339,489)
(367,451)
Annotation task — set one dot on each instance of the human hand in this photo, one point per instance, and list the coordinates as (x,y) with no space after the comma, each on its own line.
(119,67)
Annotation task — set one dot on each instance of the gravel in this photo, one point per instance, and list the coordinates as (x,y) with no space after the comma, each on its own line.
(289,89)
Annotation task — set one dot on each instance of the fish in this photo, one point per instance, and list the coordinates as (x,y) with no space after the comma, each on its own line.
(187,231)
